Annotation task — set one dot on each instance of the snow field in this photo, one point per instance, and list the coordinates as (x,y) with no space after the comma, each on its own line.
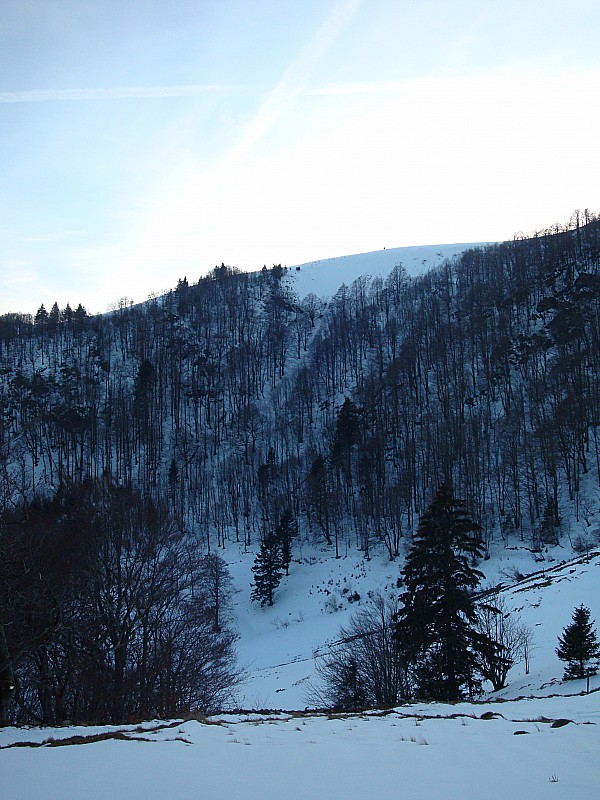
(324,277)
(298,757)
(278,644)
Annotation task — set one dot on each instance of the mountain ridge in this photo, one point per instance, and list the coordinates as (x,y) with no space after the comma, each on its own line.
(324,277)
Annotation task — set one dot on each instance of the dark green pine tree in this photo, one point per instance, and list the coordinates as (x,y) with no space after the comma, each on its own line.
(437,627)
(80,315)
(578,646)
(66,315)
(346,434)
(53,318)
(41,317)
(285,533)
(267,571)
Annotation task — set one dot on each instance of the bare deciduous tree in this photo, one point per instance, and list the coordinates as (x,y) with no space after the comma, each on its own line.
(499,623)
(364,667)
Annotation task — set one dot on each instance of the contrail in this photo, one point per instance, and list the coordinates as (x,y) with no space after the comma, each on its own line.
(121,93)
(292,83)
(361,87)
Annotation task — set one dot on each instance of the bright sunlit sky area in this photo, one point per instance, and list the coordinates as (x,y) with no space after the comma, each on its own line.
(145,140)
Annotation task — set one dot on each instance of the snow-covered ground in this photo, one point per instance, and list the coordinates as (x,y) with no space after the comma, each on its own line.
(324,277)
(278,644)
(516,750)
(507,745)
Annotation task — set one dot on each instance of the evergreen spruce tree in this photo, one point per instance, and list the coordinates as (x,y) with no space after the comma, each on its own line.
(80,315)
(266,569)
(53,318)
(41,317)
(437,627)
(549,531)
(286,531)
(66,315)
(578,646)
(346,434)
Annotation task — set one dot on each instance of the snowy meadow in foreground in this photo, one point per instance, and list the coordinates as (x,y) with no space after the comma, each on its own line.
(526,747)
(489,750)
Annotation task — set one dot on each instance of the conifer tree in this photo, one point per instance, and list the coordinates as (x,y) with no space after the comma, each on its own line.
(578,646)
(267,571)
(285,532)
(79,315)
(437,628)
(66,315)
(346,434)
(550,524)
(41,317)
(54,317)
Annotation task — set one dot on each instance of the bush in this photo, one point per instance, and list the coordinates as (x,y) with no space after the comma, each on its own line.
(364,667)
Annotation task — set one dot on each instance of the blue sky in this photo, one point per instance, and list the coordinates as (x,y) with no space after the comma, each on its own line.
(146,140)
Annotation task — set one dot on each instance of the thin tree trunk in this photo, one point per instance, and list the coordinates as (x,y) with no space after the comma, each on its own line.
(7,676)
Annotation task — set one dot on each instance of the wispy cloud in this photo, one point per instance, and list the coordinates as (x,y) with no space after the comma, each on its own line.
(55,236)
(122,93)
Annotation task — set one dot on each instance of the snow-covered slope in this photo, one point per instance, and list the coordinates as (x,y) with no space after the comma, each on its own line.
(466,751)
(278,645)
(324,277)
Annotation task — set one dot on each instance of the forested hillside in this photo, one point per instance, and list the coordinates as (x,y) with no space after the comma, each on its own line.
(230,399)
(229,413)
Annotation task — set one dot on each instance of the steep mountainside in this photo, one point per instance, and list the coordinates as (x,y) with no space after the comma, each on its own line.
(235,416)
(227,397)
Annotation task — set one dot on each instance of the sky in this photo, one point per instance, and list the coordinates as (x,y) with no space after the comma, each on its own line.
(145,141)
